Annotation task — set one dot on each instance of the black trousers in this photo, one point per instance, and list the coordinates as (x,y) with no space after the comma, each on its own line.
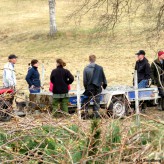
(92,94)
(161,101)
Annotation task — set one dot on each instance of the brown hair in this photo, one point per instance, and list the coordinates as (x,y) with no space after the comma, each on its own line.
(92,58)
(61,62)
(34,61)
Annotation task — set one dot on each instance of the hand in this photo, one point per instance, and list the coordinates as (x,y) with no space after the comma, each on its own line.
(153,82)
(32,86)
(137,59)
(104,86)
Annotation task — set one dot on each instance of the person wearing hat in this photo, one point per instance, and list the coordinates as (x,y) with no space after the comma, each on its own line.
(157,76)
(143,69)
(9,78)
(33,77)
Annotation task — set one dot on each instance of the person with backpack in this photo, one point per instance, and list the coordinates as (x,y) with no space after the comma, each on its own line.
(157,76)
(33,77)
(94,80)
(60,79)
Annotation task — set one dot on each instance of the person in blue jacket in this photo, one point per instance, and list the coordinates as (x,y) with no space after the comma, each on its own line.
(33,77)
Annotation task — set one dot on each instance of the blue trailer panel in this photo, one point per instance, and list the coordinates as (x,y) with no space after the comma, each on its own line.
(73,99)
(141,94)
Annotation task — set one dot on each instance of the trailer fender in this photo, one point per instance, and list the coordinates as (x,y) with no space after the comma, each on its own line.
(111,95)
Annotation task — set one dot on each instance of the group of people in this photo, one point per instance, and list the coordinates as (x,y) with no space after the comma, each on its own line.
(153,73)
(94,79)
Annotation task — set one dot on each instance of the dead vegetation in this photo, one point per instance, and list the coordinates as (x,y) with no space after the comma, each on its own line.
(43,139)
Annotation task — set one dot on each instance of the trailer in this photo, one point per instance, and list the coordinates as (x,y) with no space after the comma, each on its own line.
(121,99)
(116,100)
(6,101)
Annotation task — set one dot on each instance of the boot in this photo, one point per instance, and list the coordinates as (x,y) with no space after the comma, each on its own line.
(96,115)
(85,115)
(160,102)
(143,107)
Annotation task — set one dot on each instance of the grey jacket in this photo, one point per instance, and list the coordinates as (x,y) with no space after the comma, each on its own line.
(94,74)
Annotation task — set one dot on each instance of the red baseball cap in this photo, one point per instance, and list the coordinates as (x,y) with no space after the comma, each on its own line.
(160,53)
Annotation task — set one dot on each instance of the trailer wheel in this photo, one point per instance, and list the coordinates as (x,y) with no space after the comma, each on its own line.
(5,109)
(117,108)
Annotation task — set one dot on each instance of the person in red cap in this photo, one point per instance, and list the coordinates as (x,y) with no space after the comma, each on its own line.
(157,76)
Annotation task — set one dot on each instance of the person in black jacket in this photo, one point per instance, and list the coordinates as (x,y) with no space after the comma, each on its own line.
(157,76)
(143,69)
(33,77)
(143,72)
(93,79)
(60,79)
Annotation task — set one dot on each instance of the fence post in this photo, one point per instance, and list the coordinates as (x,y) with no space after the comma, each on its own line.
(78,94)
(42,81)
(136,98)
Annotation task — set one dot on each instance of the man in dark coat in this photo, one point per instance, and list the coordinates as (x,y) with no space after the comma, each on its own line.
(143,69)
(93,79)
(143,72)
(157,76)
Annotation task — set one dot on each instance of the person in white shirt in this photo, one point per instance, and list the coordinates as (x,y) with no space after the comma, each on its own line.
(9,78)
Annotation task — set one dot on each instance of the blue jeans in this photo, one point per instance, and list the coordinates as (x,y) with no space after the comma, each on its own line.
(143,84)
(34,90)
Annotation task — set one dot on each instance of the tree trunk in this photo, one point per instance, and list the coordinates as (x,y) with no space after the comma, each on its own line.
(53,28)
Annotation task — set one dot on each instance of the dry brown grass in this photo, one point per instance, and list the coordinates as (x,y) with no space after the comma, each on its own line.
(24,27)
(42,138)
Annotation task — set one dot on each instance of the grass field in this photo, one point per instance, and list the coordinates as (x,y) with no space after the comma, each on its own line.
(24,29)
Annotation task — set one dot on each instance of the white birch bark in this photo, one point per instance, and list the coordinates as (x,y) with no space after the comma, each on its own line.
(53,28)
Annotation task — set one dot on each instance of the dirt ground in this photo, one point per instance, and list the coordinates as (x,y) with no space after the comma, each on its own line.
(155,113)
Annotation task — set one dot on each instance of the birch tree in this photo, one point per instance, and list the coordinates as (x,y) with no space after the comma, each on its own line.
(53,27)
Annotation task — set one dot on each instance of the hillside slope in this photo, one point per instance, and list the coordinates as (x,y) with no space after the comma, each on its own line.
(24,28)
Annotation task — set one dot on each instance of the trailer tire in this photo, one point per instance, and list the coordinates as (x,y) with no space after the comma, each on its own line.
(5,111)
(117,108)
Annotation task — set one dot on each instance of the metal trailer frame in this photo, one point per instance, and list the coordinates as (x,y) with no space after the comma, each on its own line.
(121,93)
(144,94)
(108,97)
(110,92)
